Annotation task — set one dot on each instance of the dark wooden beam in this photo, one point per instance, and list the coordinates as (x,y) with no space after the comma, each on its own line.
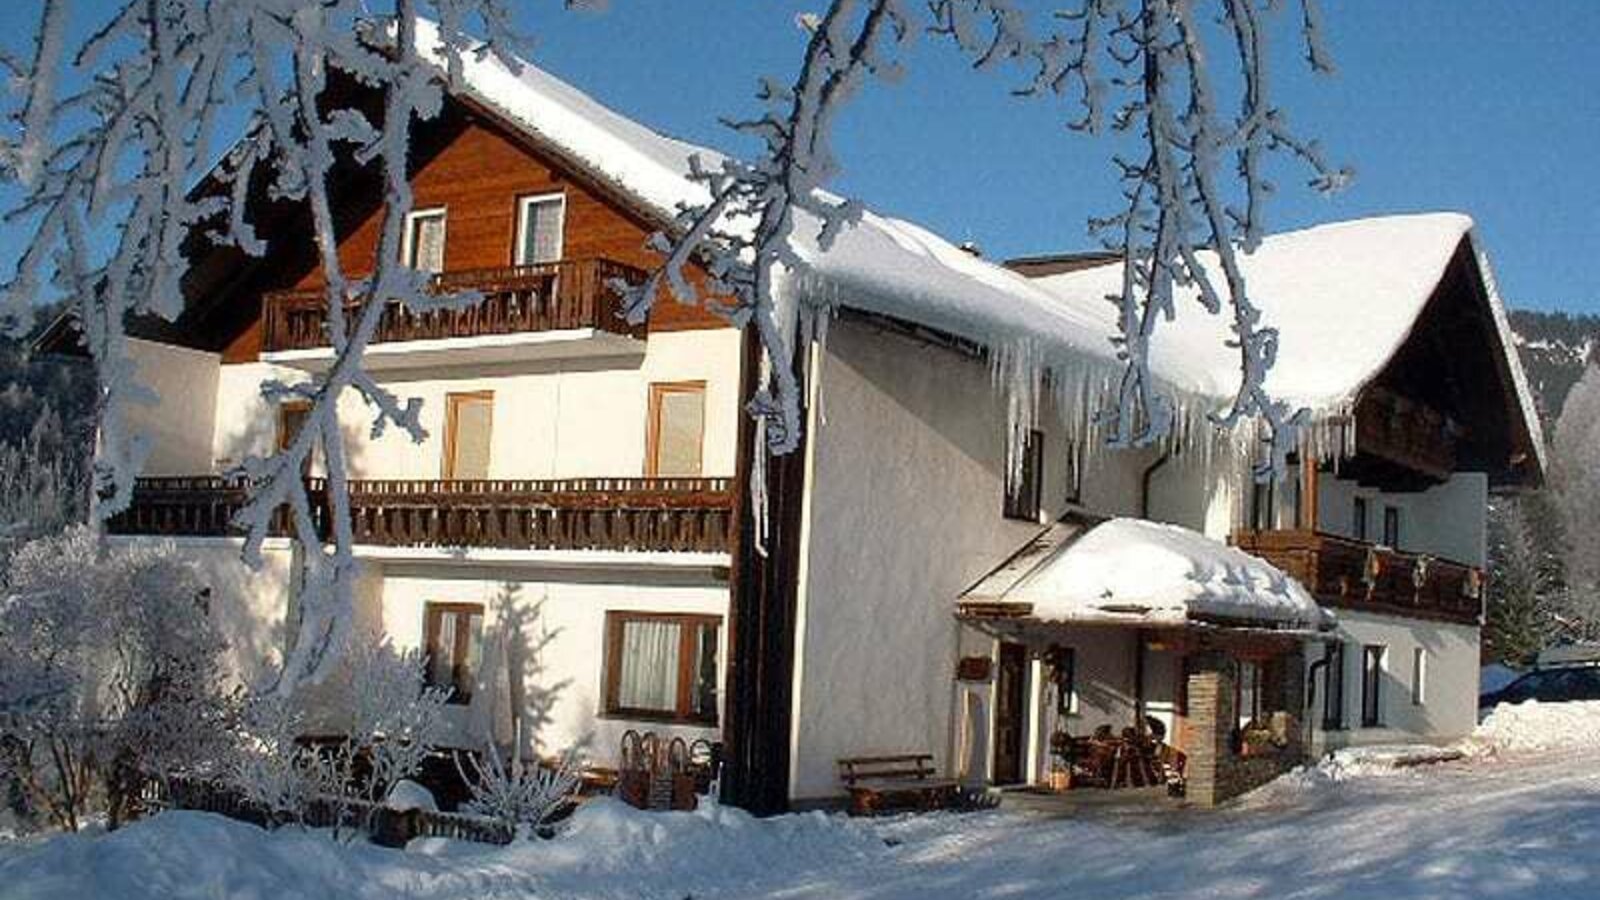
(762,617)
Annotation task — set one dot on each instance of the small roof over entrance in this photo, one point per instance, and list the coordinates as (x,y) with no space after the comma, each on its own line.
(1130,571)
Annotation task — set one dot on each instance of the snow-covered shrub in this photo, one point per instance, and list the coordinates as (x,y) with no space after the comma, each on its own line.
(110,672)
(523,793)
(269,767)
(384,719)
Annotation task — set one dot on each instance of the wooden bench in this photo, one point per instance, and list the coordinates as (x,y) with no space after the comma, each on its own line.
(905,781)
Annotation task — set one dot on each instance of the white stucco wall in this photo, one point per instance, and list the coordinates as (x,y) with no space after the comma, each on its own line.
(562,418)
(178,424)
(904,512)
(1448,521)
(1450,697)
(562,614)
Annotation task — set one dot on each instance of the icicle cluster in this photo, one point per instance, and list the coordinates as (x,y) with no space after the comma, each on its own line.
(1179,197)
(121,157)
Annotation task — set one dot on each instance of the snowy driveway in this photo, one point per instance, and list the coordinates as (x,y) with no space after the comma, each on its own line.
(1528,827)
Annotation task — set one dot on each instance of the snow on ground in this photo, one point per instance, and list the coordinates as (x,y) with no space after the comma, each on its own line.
(1529,726)
(1514,825)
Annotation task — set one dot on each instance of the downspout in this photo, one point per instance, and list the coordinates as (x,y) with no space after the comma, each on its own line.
(1145,480)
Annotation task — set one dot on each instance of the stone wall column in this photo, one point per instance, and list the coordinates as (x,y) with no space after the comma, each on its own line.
(1210,726)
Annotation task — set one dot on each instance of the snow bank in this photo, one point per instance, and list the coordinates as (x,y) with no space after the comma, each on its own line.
(1132,570)
(607,850)
(1532,726)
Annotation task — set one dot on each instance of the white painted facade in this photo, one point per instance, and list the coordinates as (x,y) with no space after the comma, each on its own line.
(1434,702)
(564,415)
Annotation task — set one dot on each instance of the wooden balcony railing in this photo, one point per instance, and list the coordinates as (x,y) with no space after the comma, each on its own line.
(188,506)
(1344,572)
(636,514)
(519,299)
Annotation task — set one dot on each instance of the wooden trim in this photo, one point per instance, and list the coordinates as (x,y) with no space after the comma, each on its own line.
(287,408)
(690,626)
(652,434)
(452,403)
(763,614)
(1308,491)
(433,614)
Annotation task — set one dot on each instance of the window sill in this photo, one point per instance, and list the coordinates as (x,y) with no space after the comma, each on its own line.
(657,718)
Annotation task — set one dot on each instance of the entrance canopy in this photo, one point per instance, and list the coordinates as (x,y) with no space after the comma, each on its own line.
(1134,572)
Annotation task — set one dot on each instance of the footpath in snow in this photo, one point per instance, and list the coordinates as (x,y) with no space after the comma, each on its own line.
(1518,817)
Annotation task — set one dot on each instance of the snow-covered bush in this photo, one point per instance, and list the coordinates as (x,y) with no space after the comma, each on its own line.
(384,721)
(110,672)
(523,793)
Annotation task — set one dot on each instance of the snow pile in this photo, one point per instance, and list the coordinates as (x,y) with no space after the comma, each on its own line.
(1532,726)
(407,795)
(1131,570)
(607,850)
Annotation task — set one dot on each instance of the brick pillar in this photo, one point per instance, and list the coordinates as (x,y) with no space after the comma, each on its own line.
(1210,723)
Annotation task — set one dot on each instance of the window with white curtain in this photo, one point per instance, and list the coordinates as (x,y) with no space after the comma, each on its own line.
(423,247)
(540,222)
(662,666)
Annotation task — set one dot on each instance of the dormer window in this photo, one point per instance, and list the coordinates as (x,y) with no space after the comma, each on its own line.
(423,247)
(540,222)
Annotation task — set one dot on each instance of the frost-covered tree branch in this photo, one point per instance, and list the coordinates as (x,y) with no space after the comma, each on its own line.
(130,156)
(1180,196)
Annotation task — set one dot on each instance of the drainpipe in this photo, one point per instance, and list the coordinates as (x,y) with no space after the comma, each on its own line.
(1144,483)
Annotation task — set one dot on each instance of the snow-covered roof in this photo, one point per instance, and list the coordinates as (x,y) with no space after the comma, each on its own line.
(1131,571)
(1344,296)
(882,264)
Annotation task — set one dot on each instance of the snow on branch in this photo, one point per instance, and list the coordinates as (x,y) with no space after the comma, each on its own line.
(118,175)
(1142,64)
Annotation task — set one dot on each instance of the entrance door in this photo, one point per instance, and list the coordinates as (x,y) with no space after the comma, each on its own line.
(1010,714)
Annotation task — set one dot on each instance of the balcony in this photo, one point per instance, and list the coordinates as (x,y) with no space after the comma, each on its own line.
(1350,574)
(551,310)
(607,514)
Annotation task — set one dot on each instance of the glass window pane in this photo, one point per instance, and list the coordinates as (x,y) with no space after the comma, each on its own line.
(542,221)
(680,424)
(705,687)
(472,422)
(427,241)
(648,671)
(441,654)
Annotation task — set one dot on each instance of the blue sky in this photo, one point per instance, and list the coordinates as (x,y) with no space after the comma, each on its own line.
(1481,106)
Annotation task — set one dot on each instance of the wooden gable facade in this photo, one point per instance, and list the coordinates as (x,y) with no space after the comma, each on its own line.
(468,161)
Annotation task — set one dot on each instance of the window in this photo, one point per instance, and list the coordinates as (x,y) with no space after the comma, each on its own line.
(1358,524)
(1063,674)
(540,222)
(1391,527)
(1262,500)
(468,425)
(1248,693)
(662,666)
(423,247)
(292,417)
(1024,490)
(1373,662)
(676,431)
(1333,687)
(1419,676)
(452,635)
